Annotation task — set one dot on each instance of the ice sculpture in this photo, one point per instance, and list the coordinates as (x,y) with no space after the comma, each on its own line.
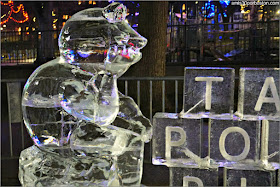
(209,145)
(85,131)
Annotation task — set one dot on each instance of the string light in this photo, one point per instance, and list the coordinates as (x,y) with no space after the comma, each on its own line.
(65,17)
(12,10)
(184,7)
(3,16)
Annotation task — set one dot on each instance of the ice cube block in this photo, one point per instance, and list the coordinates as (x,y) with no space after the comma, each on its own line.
(193,177)
(259,93)
(251,176)
(234,141)
(208,91)
(176,141)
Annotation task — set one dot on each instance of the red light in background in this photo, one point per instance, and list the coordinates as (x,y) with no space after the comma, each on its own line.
(12,10)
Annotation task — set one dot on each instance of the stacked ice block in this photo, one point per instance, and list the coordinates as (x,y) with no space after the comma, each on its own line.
(207,144)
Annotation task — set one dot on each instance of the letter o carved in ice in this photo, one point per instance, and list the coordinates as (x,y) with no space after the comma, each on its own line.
(222,140)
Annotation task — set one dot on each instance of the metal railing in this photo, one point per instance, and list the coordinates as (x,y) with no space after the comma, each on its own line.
(11,92)
(15,140)
(24,47)
(150,80)
(238,41)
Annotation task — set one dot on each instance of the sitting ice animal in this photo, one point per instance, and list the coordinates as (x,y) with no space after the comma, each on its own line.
(73,110)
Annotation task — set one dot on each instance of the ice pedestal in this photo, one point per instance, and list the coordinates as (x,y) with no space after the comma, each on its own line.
(40,168)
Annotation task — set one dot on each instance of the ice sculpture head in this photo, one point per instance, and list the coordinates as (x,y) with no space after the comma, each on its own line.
(102,38)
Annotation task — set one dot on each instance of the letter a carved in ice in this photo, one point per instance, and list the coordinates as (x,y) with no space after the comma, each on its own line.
(269,82)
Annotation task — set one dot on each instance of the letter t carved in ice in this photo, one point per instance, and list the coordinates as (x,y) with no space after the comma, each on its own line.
(208,92)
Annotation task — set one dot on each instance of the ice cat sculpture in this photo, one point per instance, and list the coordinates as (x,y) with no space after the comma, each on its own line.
(84,130)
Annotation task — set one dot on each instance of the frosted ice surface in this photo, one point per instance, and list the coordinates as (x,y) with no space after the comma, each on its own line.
(177,141)
(193,176)
(39,168)
(249,177)
(270,143)
(259,93)
(72,107)
(234,141)
(208,91)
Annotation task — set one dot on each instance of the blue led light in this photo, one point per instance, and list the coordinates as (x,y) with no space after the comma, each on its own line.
(210,9)
(225,2)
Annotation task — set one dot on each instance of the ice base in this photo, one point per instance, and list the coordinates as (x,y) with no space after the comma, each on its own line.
(39,168)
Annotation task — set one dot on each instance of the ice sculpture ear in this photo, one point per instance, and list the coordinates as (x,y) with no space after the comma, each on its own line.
(115,12)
